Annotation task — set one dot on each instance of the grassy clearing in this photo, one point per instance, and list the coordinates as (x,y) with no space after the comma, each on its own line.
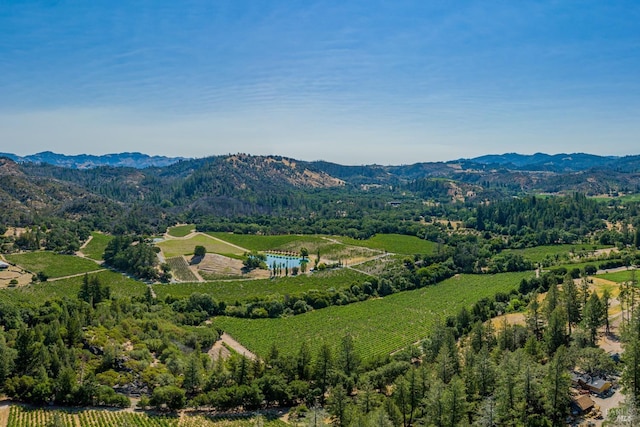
(620,276)
(52,264)
(173,248)
(181,230)
(378,326)
(121,286)
(396,243)
(287,242)
(95,248)
(242,290)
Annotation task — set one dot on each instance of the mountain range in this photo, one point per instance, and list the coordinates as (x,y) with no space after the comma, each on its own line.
(513,161)
(134,185)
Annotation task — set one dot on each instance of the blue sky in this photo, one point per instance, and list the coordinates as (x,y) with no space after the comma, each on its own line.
(354,82)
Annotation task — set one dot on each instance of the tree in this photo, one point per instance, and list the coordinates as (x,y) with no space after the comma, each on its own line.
(455,402)
(594,314)
(304,253)
(169,397)
(338,405)
(557,384)
(348,359)
(571,301)
(606,302)
(193,375)
(304,361)
(554,335)
(255,260)
(199,251)
(323,369)
(435,405)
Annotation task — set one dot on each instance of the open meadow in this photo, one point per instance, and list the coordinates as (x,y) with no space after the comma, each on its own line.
(178,247)
(378,326)
(52,264)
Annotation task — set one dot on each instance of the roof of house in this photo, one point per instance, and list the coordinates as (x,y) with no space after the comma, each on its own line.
(584,402)
(599,384)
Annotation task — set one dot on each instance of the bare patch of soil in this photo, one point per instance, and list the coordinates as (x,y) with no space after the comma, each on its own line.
(13,272)
(221,348)
(14,231)
(4,413)
(222,266)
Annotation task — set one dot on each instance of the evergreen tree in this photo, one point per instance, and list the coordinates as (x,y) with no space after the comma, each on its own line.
(557,384)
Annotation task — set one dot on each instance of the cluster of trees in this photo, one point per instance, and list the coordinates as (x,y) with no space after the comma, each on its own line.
(136,257)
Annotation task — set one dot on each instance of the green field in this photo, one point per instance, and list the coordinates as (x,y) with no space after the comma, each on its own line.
(378,326)
(121,286)
(181,230)
(52,264)
(178,247)
(288,242)
(554,252)
(95,248)
(395,243)
(242,290)
(620,276)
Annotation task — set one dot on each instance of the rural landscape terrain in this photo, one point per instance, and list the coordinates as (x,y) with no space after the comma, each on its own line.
(244,290)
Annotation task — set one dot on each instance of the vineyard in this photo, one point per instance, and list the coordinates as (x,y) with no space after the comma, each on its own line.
(181,230)
(121,286)
(177,247)
(39,417)
(95,248)
(52,264)
(265,243)
(242,290)
(378,326)
(180,269)
(396,243)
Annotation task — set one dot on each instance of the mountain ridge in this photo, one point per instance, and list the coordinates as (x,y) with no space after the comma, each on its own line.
(561,162)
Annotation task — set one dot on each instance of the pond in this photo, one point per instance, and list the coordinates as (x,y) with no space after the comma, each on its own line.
(283,261)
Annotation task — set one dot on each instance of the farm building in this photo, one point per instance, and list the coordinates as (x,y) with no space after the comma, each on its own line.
(593,384)
(3,265)
(582,404)
(597,385)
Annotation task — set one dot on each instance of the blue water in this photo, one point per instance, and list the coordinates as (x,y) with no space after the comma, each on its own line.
(283,261)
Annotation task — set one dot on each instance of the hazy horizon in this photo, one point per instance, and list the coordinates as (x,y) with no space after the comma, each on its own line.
(350,82)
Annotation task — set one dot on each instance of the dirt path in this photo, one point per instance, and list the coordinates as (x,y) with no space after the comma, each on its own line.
(224,343)
(4,413)
(76,275)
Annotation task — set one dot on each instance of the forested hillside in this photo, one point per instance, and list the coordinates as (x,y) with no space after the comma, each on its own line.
(432,294)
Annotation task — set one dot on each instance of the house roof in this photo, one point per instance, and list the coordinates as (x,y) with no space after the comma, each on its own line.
(584,402)
(599,384)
